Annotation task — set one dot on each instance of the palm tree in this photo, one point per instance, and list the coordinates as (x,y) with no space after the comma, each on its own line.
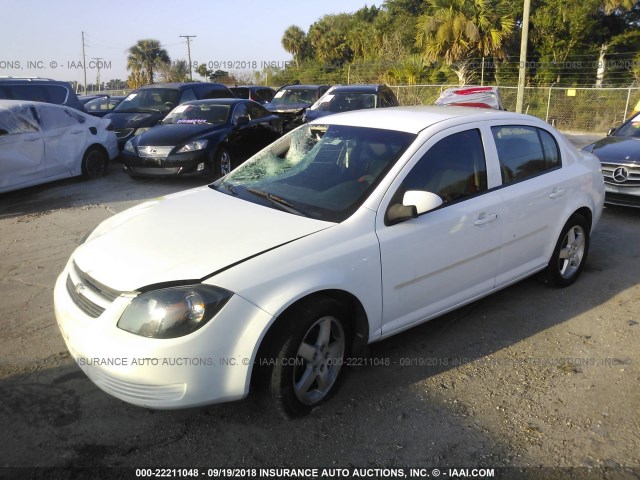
(146,56)
(458,30)
(293,41)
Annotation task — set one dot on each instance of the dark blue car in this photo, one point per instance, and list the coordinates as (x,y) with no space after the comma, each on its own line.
(202,137)
(344,98)
(145,107)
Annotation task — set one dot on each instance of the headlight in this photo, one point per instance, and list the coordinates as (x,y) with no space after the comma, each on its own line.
(128,147)
(140,131)
(190,147)
(173,312)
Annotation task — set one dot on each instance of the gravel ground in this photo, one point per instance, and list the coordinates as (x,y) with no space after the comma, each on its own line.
(528,377)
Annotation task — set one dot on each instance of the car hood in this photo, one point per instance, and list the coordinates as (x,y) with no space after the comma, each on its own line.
(134,119)
(286,107)
(174,134)
(186,236)
(616,149)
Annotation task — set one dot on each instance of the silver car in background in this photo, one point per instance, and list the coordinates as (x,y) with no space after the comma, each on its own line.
(42,142)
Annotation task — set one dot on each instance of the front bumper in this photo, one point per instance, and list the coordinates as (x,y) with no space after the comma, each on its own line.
(182,164)
(624,196)
(211,365)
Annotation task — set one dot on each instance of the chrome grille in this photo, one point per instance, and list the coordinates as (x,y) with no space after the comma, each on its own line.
(632,170)
(82,302)
(154,152)
(88,294)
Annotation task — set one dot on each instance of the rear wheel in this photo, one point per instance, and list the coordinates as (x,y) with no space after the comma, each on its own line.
(307,366)
(570,253)
(94,163)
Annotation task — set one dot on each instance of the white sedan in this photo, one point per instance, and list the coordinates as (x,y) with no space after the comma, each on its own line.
(343,232)
(43,142)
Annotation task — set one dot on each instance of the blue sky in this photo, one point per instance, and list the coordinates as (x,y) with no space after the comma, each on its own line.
(43,38)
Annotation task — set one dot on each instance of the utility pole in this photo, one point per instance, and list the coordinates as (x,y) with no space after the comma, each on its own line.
(189,37)
(98,63)
(84,65)
(523,55)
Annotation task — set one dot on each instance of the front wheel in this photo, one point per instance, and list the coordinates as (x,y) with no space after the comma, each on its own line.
(306,368)
(222,162)
(570,253)
(94,163)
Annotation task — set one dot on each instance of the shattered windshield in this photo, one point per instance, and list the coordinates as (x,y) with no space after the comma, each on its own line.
(320,171)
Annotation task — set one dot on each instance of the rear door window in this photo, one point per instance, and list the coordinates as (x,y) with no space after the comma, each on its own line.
(525,152)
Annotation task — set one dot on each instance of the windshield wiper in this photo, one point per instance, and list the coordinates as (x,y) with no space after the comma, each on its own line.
(229,187)
(226,185)
(275,200)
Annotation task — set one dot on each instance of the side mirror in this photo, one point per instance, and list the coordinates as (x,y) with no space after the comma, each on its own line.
(611,131)
(242,121)
(414,203)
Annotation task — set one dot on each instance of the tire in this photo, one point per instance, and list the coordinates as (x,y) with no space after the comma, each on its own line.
(305,370)
(570,253)
(222,163)
(94,163)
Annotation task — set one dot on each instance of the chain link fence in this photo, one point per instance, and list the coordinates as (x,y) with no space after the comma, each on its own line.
(589,110)
(578,109)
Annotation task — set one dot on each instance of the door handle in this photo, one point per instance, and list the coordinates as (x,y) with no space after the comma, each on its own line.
(556,192)
(485,218)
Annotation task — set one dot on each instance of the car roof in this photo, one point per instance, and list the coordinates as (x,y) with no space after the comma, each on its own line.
(14,103)
(250,87)
(178,85)
(303,87)
(8,104)
(370,88)
(414,119)
(219,101)
(30,80)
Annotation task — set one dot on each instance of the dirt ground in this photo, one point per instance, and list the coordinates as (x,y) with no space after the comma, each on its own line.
(529,377)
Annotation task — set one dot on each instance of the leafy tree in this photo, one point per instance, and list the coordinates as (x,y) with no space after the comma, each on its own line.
(146,57)
(458,30)
(612,31)
(211,75)
(176,71)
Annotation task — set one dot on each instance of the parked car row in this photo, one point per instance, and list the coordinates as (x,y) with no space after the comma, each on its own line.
(145,108)
(215,133)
